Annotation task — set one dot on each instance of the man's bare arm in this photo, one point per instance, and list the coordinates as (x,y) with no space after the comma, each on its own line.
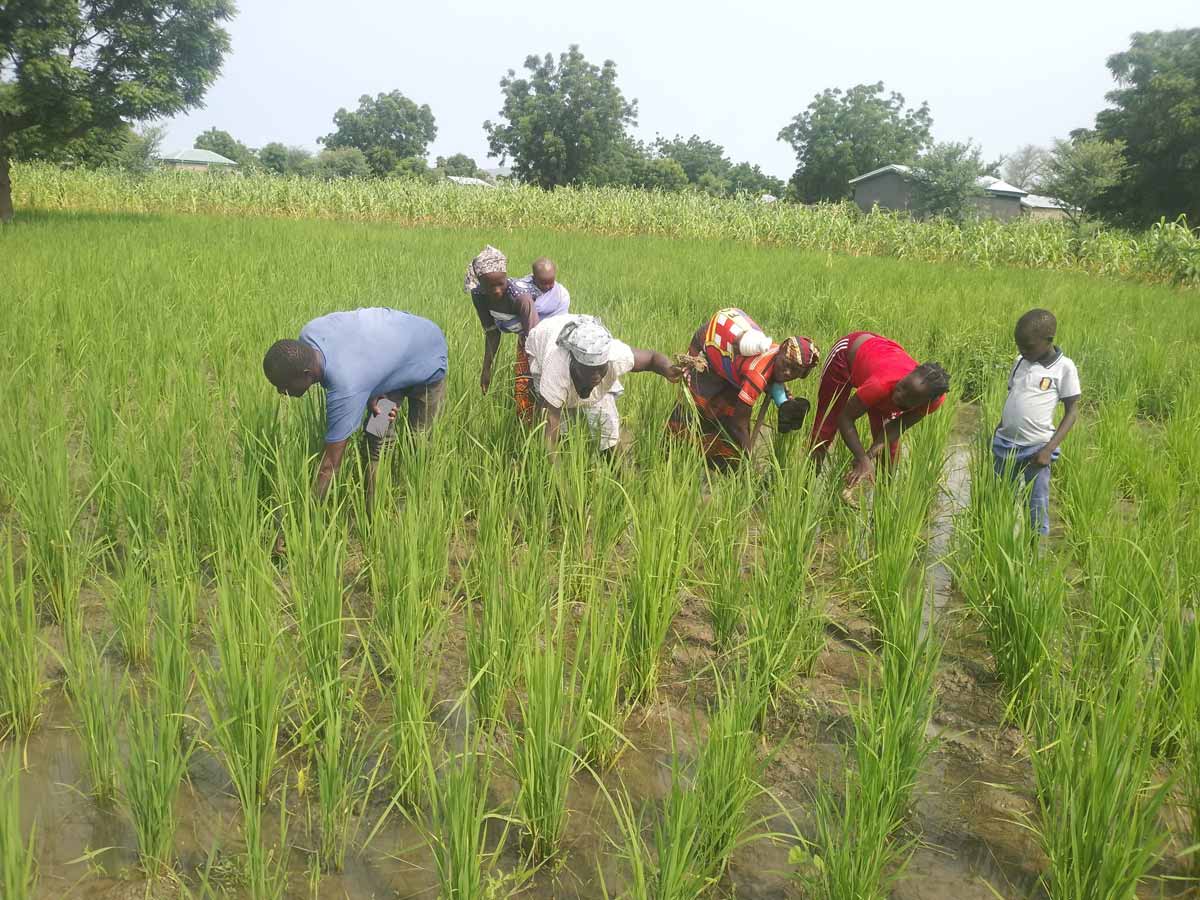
(658,363)
(331,461)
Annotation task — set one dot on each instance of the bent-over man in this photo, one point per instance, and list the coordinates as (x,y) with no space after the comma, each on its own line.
(359,357)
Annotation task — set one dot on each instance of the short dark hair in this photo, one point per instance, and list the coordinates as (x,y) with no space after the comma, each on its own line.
(935,378)
(541,264)
(284,361)
(1037,323)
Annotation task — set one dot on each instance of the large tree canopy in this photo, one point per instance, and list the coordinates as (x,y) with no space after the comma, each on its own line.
(844,134)
(1155,113)
(74,68)
(386,128)
(565,121)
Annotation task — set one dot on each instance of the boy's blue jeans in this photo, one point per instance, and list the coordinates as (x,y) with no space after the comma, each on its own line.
(1017,460)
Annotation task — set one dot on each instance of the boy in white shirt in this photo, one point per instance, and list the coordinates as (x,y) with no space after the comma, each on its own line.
(1026,441)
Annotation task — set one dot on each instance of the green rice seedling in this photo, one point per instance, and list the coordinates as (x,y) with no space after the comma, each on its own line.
(1094,768)
(726,543)
(413,733)
(130,606)
(1189,778)
(512,588)
(456,825)
(857,851)
(652,588)
(345,762)
(546,753)
(599,674)
(18,863)
(156,761)
(663,868)
(95,697)
(246,697)
(21,651)
(727,780)
(316,556)
(1015,591)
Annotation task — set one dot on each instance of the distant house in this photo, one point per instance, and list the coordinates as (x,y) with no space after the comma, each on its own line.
(892,187)
(195,160)
(470,182)
(1038,207)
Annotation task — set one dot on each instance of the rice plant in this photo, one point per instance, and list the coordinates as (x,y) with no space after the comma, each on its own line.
(130,607)
(859,850)
(21,651)
(95,697)
(246,697)
(157,756)
(456,826)
(1094,768)
(546,753)
(1015,591)
(727,780)
(652,588)
(598,672)
(18,866)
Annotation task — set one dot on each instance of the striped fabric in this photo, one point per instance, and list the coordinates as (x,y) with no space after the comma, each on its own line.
(750,374)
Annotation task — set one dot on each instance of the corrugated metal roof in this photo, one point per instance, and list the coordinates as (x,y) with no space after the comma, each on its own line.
(195,155)
(989,183)
(895,167)
(473,182)
(1037,201)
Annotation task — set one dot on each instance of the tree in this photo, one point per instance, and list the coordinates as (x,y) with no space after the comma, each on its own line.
(386,128)
(698,157)
(1025,167)
(283,160)
(1155,112)
(657,174)
(946,179)
(844,134)
(140,152)
(342,162)
(1080,172)
(565,123)
(460,164)
(228,146)
(747,179)
(72,68)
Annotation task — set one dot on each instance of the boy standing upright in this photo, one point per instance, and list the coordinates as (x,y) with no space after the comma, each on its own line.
(1026,440)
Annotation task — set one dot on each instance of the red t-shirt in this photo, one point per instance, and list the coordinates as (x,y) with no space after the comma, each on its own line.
(879,364)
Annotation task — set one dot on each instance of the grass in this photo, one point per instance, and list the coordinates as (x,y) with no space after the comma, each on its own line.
(579,604)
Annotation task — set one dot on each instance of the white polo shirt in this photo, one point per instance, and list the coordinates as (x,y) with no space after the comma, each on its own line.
(550,367)
(1034,391)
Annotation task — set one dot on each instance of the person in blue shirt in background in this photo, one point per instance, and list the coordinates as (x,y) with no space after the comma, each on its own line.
(359,357)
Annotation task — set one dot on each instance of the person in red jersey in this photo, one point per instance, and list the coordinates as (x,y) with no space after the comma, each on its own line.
(867,374)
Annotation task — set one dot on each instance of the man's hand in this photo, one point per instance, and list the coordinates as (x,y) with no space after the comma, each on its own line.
(485,381)
(673,374)
(862,470)
(375,408)
(280,548)
(876,451)
(1043,457)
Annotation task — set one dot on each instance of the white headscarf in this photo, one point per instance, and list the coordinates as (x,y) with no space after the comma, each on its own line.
(587,340)
(489,260)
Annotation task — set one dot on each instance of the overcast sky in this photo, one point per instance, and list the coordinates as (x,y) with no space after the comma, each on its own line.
(1005,74)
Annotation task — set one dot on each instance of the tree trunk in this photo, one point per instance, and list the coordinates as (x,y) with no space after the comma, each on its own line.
(6,207)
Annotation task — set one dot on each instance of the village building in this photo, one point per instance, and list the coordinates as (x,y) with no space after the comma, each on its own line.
(196,160)
(893,187)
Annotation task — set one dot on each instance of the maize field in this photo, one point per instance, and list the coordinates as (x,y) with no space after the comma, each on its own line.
(590,678)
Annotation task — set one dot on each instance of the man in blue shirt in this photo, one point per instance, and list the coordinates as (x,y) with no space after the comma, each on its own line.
(359,357)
